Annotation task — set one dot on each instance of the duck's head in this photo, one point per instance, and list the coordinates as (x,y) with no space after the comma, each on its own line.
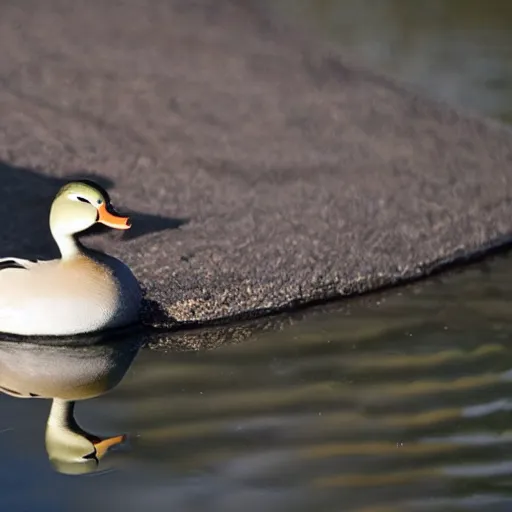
(80,204)
(71,449)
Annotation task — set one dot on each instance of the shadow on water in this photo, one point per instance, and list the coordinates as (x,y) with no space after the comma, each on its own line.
(30,194)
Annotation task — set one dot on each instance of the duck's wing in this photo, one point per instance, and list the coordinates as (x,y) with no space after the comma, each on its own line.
(17,263)
(22,284)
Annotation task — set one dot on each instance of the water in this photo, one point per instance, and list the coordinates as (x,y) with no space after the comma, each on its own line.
(394,402)
(398,401)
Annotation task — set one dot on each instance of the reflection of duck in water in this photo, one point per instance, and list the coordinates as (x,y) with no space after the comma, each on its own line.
(67,374)
(71,449)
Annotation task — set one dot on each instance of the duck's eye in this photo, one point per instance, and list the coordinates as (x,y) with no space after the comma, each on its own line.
(99,201)
(83,199)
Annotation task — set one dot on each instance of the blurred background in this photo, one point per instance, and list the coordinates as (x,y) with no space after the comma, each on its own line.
(458,51)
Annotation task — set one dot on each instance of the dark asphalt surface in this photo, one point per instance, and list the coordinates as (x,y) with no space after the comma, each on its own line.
(262,171)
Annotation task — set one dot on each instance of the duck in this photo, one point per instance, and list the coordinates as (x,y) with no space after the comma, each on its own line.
(84,290)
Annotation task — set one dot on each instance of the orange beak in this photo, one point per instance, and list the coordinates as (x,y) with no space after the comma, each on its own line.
(103,445)
(111,220)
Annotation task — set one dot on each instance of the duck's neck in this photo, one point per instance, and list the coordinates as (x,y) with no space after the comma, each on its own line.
(69,246)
